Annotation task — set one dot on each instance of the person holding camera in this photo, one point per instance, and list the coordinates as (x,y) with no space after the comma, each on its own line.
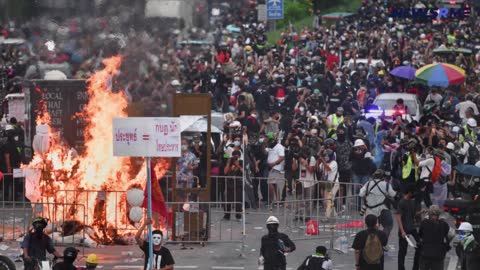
(305,187)
(376,193)
(329,171)
(234,171)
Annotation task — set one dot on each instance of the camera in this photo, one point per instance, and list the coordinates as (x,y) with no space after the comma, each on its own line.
(362,210)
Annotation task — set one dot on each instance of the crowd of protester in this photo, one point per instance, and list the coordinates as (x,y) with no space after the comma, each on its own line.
(294,110)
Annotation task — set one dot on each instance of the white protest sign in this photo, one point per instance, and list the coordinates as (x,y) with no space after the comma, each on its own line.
(147,137)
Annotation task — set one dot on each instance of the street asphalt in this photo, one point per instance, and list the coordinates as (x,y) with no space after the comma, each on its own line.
(231,255)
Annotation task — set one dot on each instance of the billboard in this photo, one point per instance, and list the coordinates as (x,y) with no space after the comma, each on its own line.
(63,99)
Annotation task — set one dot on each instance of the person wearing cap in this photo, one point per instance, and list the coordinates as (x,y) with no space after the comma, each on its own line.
(468,250)
(376,194)
(433,234)
(36,244)
(319,260)
(469,130)
(90,263)
(274,246)
(407,162)
(362,165)
(335,119)
(69,256)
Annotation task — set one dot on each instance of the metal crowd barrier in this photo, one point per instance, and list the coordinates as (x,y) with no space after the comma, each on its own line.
(16,221)
(199,221)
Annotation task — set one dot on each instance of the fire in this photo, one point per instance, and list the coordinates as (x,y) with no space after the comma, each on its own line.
(92,186)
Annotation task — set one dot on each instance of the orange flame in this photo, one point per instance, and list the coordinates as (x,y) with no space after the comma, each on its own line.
(70,179)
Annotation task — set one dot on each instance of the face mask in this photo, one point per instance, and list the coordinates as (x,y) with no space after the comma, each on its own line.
(236,143)
(332,52)
(462,235)
(338,84)
(327,158)
(254,115)
(302,109)
(163,106)
(261,140)
(156,239)
(184,148)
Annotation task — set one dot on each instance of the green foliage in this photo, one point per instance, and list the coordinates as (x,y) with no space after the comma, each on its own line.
(299,13)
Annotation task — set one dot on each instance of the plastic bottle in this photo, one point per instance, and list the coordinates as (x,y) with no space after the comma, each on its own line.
(344,245)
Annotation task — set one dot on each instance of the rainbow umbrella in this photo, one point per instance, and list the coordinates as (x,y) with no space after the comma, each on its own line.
(440,74)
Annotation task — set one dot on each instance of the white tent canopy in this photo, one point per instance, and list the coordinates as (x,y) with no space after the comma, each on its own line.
(196,123)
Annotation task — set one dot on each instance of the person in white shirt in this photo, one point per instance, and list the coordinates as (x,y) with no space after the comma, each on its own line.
(329,168)
(306,186)
(375,192)
(425,185)
(434,96)
(276,176)
(462,107)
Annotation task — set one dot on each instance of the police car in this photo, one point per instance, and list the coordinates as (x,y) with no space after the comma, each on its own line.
(384,107)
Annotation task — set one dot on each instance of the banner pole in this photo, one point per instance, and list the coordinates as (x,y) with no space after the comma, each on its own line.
(149,200)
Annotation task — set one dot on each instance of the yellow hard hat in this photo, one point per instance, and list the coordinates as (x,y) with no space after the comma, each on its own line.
(381,72)
(248,48)
(92,258)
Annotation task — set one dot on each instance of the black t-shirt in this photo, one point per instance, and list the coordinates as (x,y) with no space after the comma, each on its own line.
(243,108)
(433,234)
(161,258)
(64,266)
(407,209)
(359,244)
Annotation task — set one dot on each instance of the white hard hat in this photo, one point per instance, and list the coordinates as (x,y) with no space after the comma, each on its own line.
(466,227)
(422,36)
(456,129)
(175,83)
(471,122)
(274,220)
(359,142)
(450,146)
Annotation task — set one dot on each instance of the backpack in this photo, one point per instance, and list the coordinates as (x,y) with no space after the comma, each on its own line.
(473,155)
(436,172)
(312,263)
(373,250)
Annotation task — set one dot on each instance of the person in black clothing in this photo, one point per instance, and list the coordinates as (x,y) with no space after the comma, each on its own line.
(434,238)
(319,260)
(36,244)
(360,241)
(234,171)
(69,256)
(274,246)
(261,168)
(242,110)
(406,213)
(162,258)
(10,158)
